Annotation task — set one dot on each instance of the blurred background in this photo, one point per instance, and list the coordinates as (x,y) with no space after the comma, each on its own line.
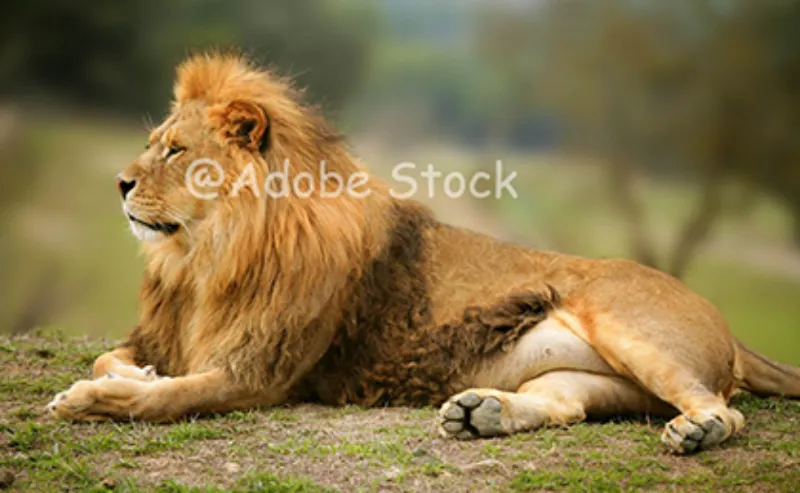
(664,131)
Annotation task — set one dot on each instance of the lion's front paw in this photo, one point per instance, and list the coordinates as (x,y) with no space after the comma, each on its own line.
(98,400)
(75,402)
(472,414)
(146,374)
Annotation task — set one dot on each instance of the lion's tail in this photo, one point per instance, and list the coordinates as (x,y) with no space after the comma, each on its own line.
(764,377)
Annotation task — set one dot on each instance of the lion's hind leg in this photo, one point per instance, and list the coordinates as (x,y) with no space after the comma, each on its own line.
(687,378)
(555,398)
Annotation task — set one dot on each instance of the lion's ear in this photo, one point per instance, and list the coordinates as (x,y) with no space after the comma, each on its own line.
(242,123)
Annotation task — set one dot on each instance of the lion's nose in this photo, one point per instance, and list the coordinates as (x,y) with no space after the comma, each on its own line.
(125,186)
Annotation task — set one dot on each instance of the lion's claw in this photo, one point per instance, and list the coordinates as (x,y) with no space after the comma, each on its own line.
(51,406)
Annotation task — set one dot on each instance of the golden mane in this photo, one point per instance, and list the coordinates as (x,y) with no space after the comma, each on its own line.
(297,131)
(291,257)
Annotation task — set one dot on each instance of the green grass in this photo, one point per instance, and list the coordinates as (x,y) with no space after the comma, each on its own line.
(313,448)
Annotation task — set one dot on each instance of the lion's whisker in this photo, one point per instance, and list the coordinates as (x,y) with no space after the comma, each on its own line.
(174,215)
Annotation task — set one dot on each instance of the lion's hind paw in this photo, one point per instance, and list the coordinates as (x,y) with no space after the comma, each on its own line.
(468,415)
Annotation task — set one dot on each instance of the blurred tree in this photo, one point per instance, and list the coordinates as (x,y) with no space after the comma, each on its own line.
(122,54)
(691,89)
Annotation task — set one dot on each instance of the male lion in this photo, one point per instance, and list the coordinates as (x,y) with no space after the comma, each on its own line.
(251,300)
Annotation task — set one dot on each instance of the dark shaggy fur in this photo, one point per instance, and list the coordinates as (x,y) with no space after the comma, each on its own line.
(388,352)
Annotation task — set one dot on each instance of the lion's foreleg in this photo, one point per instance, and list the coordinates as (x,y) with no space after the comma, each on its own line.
(122,362)
(165,399)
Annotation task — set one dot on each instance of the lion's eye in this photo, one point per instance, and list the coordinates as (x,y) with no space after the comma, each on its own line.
(173,150)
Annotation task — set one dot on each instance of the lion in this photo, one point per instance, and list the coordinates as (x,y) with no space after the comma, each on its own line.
(250,300)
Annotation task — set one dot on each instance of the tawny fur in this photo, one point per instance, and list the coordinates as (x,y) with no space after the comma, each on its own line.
(369,300)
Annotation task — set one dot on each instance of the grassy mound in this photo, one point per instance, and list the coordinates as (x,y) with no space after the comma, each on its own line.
(315,448)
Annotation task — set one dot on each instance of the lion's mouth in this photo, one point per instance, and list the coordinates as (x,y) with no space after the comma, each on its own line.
(166,228)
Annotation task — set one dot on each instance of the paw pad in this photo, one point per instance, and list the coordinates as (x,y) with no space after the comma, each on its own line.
(684,434)
(469,415)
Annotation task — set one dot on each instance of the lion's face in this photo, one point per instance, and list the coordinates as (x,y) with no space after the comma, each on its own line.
(225,117)
(157,200)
